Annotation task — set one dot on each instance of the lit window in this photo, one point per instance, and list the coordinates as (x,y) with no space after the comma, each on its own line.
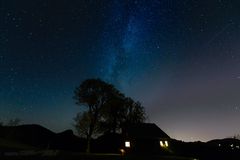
(127,144)
(166,143)
(161,144)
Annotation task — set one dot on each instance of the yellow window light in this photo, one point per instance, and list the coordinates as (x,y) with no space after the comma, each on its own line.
(166,143)
(161,144)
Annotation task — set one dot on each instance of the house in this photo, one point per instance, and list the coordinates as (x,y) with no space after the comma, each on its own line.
(144,138)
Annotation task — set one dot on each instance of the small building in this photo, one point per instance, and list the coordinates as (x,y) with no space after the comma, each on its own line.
(144,138)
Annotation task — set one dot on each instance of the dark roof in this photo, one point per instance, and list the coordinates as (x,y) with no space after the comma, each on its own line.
(146,130)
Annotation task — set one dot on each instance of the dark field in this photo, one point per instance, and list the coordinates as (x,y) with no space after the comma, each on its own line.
(95,156)
(24,145)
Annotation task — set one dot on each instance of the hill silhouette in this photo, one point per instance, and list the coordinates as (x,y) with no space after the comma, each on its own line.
(36,137)
(214,149)
(42,138)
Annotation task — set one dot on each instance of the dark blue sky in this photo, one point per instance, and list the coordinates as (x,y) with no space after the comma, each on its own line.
(179,58)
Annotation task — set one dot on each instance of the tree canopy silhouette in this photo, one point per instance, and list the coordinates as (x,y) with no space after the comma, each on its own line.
(11,122)
(105,109)
(14,122)
(121,110)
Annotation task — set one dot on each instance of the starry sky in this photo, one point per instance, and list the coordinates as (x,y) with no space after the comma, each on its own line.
(180,59)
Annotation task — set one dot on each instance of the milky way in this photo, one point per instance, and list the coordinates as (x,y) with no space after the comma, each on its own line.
(180,59)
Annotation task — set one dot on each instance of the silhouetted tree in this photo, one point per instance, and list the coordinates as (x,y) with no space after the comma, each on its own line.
(236,136)
(14,122)
(113,113)
(134,112)
(82,123)
(106,109)
(122,110)
(93,94)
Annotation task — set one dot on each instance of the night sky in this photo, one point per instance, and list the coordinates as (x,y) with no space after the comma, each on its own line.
(179,58)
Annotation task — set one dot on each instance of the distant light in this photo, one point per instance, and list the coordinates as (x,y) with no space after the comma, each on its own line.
(127,144)
(122,151)
(219,145)
(237,147)
(166,143)
(161,144)
(231,145)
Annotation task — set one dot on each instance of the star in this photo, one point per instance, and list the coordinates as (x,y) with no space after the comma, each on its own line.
(175,57)
(236,108)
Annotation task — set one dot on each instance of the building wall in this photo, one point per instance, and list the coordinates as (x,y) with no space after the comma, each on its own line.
(145,146)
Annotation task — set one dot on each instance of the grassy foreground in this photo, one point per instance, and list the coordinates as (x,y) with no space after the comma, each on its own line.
(75,156)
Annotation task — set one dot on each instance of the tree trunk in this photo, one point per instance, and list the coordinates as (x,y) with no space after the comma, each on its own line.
(89,137)
(88,145)
(88,149)
(94,116)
